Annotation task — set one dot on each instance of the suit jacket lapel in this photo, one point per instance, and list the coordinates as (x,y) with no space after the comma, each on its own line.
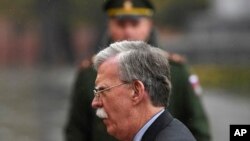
(161,122)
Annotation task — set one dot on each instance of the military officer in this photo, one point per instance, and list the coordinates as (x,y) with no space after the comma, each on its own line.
(132,20)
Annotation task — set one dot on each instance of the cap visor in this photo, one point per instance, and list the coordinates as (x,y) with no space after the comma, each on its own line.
(127,17)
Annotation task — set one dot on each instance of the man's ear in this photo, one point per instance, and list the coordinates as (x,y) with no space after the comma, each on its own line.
(139,92)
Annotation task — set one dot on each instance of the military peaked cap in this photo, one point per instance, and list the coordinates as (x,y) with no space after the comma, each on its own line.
(136,8)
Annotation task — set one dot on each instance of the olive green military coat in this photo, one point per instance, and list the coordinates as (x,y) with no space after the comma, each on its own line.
(185,105)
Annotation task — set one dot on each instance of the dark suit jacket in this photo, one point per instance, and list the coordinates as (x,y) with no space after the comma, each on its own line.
(167,128)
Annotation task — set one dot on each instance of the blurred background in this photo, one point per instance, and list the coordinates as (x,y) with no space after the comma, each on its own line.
(42,43)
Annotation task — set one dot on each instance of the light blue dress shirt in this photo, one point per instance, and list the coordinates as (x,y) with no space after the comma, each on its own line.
(141,132)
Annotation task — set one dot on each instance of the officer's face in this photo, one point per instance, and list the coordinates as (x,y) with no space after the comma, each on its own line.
(130,29)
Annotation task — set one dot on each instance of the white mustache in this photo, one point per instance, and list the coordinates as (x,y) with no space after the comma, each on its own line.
(101,113)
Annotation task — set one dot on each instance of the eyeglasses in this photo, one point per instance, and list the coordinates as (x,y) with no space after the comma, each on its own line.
(98,91)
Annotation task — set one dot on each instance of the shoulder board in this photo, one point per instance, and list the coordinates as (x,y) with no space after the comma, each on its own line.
(86,63)
(176,58)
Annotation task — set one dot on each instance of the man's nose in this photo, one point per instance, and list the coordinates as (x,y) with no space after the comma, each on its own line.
(129,30)
(96,102)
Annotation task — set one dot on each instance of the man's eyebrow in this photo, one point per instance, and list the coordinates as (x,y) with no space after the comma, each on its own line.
(100,86)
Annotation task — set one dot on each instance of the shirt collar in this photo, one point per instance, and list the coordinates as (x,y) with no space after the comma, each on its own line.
(141,132)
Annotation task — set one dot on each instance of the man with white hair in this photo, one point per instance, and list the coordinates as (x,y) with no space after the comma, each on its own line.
(132,91)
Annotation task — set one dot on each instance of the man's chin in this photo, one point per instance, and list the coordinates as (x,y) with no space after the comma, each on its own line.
(108,127)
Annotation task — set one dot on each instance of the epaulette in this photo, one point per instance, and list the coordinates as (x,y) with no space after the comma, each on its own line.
(86,63)
(176,58)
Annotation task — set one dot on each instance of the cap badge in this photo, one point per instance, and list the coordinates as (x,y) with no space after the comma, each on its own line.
(128,5)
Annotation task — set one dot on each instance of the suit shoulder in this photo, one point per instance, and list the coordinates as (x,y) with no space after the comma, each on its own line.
(176,130)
